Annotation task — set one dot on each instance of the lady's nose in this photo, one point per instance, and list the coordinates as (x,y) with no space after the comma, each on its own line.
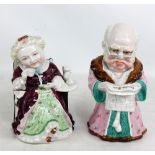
(32,59)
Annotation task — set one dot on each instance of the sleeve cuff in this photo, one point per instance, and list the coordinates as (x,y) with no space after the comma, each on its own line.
(99,96)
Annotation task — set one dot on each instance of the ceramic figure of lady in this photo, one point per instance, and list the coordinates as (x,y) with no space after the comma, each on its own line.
(41,94)
(118,84)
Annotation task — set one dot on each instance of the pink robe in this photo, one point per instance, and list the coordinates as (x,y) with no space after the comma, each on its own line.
(99,121)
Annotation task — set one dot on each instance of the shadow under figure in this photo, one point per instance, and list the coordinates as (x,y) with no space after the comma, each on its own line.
(41,94)
(117,83)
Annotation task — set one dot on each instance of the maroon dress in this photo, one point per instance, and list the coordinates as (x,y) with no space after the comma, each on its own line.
(29,98)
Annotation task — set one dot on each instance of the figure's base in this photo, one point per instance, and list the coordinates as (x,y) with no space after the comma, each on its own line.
(117,139)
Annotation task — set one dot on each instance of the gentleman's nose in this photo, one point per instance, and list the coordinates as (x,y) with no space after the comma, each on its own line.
(120,55)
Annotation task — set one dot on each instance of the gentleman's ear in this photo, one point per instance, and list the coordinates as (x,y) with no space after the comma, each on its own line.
(103,44)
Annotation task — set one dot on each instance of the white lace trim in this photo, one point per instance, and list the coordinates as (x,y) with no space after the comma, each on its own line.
(19,83)
(41,138)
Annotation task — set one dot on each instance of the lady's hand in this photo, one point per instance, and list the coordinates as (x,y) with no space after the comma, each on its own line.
(29,72)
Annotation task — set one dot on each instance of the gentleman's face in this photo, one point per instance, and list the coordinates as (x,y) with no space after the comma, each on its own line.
(119,58)
(120,50)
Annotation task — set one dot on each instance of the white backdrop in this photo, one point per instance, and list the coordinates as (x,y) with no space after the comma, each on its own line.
(73,34)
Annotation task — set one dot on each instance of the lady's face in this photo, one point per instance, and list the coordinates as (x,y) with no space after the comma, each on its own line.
(31,56)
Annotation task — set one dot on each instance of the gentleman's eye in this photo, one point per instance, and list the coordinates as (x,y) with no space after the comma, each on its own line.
(127,52)
(115,50)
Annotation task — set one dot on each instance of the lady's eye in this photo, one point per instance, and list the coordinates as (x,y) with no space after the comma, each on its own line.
(24,59)
(35,53)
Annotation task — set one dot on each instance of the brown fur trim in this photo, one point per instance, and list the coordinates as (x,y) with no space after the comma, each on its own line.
(136,73)
(97,68)
(100,74)
(118,139)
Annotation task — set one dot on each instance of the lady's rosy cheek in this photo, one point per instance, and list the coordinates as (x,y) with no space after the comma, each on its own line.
(42,58)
